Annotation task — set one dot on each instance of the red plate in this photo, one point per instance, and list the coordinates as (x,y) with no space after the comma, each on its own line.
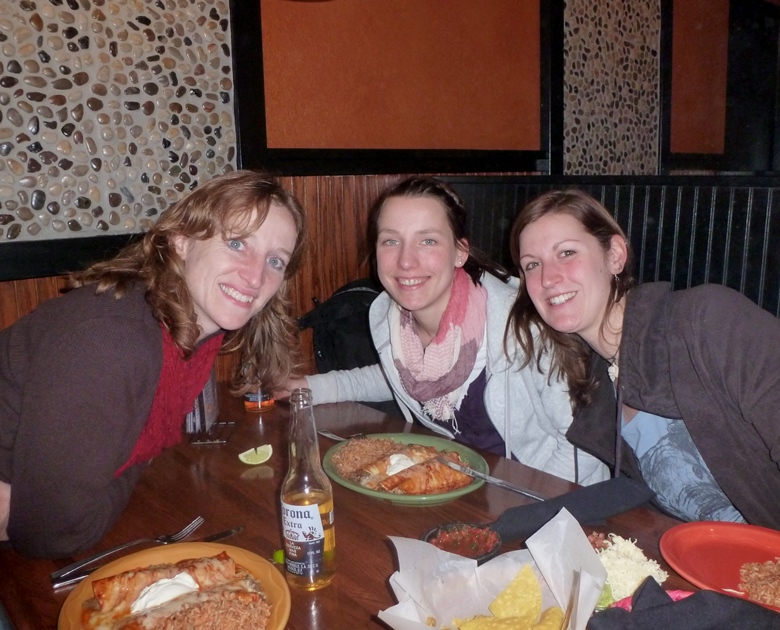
(709,554)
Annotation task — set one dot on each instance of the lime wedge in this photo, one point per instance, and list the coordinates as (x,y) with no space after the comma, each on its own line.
(258,455)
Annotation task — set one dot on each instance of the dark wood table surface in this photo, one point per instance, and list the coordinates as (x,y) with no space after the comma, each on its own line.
(209,480)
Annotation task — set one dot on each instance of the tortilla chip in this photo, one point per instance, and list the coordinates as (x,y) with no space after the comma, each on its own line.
(551,619)
(496,623)
(521,599)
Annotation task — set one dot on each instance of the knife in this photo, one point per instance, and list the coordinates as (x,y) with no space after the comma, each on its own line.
(494,480)
(74,578)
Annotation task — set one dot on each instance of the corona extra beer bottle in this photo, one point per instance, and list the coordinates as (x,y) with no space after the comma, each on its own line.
(307,504)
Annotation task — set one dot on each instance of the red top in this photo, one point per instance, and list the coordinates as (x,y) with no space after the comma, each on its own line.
(180,383)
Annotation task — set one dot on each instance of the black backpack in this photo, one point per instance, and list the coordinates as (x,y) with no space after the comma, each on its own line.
(341,334)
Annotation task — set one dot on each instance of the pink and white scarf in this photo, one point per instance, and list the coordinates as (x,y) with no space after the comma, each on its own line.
(434,375)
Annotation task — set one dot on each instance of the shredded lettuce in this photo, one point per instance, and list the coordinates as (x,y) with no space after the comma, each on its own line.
(627,567)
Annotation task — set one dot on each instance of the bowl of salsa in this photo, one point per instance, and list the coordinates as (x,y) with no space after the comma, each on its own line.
(471,540)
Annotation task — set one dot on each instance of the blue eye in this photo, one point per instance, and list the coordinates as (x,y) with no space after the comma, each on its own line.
(530,266)
(235,244)
(277,263)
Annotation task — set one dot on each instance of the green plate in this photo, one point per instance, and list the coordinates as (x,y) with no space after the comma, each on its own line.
(472,458)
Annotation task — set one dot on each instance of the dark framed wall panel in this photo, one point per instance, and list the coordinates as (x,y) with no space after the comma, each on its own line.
(720,86)
(42,258)
(300,132)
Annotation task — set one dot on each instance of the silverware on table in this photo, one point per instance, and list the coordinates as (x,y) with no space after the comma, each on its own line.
(226,533)
(332,436)
(218,433)
(164,539)
(74,578)
(493,480)
(338,438)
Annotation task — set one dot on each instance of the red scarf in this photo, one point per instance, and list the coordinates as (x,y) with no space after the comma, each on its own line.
(180,383)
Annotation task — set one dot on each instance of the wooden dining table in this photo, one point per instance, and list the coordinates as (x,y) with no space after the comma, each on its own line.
(209,480)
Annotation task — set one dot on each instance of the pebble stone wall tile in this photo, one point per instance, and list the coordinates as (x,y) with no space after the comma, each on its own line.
(611,74)
(110,111)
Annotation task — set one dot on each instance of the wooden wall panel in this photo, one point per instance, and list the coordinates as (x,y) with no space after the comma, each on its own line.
(336,209)
(19,297)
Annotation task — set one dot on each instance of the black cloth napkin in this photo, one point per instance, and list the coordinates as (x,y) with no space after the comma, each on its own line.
(590,505)
(652,608)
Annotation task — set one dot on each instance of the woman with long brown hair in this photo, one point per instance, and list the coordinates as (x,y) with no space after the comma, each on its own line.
(677,388)
(96,383)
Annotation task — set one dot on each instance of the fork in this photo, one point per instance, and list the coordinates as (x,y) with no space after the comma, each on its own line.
(338,438)
(164,539)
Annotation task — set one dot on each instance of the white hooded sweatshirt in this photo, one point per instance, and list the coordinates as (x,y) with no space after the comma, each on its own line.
(531,415)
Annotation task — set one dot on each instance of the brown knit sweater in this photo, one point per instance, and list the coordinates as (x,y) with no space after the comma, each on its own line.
(78,377)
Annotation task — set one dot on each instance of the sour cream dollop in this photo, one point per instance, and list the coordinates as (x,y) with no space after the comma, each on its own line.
(399,462)
(163,591)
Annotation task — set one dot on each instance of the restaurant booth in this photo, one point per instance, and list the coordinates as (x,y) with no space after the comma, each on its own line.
(111,112)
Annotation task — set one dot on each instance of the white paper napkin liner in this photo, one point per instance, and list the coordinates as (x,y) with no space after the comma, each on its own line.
(405,615)
(559,548)
(432,583)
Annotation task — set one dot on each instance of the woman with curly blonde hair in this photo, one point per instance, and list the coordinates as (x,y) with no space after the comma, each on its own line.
(96,383)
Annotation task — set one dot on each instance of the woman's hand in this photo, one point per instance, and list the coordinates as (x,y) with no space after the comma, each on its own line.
(289,386)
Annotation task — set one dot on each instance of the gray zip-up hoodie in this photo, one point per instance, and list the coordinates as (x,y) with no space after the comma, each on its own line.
(709,356)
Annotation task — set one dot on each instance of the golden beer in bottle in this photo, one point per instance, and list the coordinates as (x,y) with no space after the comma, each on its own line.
(307,504)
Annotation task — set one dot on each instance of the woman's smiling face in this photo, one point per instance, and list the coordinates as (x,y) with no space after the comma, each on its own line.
(568,275)
(232,278)
(416,256)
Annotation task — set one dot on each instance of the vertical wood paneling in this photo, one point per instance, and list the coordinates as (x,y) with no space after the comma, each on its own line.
(8,311)
(336,209)
(19,297)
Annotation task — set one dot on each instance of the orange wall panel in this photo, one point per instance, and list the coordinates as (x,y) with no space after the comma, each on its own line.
(699,71)
(401,74)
